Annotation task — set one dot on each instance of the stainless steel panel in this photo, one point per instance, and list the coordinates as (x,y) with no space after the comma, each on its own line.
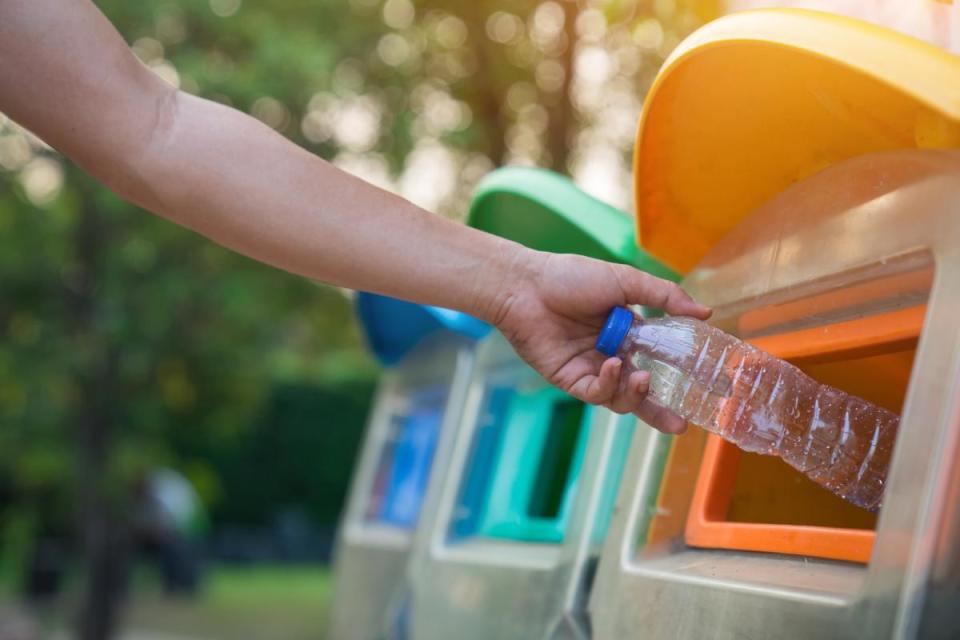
(370,558)
(491,588)
(875,219)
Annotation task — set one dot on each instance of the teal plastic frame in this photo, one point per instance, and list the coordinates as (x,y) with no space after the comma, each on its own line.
(514,476)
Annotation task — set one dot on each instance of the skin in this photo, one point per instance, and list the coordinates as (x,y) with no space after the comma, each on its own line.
(68,76)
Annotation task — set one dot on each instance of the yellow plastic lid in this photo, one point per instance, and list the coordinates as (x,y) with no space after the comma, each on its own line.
(755,101)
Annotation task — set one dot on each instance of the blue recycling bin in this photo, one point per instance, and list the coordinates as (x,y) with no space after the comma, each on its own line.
(408,466)
(428,355)
(392,327)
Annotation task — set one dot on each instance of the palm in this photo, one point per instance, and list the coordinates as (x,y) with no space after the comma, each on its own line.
(554,324)
(555,331)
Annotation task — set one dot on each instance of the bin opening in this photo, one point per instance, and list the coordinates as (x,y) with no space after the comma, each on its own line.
(407,455)
(523,465)
(769,490)
(759,503)
(475,485)
(558,452)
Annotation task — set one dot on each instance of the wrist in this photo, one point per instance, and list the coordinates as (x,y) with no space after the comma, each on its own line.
(512,273)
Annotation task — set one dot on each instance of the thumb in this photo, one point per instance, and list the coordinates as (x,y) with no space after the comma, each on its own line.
(650,291)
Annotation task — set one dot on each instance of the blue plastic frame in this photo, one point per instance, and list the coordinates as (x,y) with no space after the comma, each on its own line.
(393,327)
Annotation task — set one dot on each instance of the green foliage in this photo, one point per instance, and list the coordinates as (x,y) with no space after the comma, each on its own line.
(171,345)
(198,336)
(300,452)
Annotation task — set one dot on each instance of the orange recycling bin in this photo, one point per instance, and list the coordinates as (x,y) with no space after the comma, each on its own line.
(755,101)
(803,171)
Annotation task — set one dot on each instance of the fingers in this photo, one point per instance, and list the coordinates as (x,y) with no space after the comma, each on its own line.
(632,398)
(601,389)
(607,389)
(660,418)
(647,290)
(632,393)
(628,396)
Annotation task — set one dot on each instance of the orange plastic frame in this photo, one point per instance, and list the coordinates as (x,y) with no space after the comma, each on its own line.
(706,519)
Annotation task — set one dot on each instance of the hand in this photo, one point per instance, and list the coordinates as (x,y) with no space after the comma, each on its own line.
(553,316)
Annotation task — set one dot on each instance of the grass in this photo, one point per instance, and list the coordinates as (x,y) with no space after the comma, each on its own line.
(236,603)
(246,603)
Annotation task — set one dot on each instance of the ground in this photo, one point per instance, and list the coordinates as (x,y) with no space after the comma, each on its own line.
(237,603)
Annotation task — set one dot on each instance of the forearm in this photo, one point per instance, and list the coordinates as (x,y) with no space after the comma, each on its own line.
(66,74)
(236,181)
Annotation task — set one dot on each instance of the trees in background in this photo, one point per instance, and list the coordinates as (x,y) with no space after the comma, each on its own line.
(128,342)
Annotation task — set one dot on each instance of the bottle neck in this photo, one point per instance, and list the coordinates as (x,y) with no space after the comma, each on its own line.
(615,329)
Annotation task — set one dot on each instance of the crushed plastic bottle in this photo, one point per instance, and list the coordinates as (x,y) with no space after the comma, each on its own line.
(758,402)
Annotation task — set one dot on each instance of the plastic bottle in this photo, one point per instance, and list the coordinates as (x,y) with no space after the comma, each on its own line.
(758,402)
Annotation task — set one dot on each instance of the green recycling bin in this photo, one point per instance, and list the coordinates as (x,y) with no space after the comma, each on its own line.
(548,212)
(533,485)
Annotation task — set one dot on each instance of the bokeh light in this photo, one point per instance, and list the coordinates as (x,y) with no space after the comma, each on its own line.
(271,112)
(550,75)
(429,174)
(546,27)
(149,50)
(15,151)
(225,8)
(42,179)
(504,27)
(166,72)
(648,34)
(450,32)
(355,122)
(394,49)
(398,14)
(591,25)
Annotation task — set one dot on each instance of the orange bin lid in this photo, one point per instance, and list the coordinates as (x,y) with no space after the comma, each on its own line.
(755,101)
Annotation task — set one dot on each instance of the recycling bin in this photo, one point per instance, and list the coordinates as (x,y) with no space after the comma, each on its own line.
(837,250)
(429,354)
(517,529)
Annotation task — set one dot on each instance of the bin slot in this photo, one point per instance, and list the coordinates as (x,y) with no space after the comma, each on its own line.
(407,452)
(523,467)
(558,452)
(770,491)
(475,487)
(759,503)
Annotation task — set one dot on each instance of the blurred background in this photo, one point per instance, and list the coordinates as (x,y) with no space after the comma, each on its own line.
(178,423)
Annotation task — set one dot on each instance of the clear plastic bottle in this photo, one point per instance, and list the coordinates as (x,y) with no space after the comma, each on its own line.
(758,402)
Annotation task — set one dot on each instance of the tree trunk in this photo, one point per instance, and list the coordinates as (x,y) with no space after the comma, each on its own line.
(560,107)
(484,85)
(102,535)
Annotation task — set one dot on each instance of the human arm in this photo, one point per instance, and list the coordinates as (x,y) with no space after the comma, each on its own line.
(66,74)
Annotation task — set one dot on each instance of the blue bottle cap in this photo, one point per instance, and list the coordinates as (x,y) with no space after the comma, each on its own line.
(614,330)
